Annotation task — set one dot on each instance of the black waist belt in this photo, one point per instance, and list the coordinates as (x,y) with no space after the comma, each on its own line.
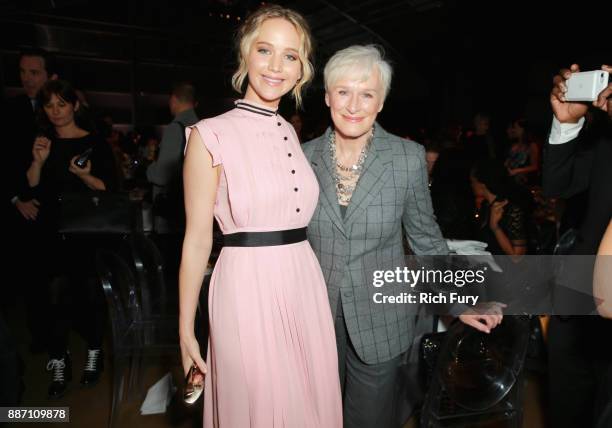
(264,239)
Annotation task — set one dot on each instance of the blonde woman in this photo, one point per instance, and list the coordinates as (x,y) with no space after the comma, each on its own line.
(272,357)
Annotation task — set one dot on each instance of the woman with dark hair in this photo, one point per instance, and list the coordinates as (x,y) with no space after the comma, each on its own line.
(68,263)
(523,159)
(503,215)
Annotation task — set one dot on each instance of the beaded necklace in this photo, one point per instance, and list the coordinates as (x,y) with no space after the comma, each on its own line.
(346,177)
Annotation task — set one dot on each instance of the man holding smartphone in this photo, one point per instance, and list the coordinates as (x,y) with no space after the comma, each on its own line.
(580,350)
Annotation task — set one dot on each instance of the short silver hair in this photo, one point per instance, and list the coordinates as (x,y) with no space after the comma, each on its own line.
(360,60)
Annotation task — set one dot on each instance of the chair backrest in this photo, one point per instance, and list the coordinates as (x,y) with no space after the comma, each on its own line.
(149,267)
(120,291)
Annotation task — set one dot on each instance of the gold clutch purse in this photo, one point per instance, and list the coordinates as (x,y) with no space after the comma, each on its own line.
(193,388)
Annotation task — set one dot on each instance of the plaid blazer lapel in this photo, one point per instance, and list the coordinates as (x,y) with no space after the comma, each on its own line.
(376,172)
(322,166)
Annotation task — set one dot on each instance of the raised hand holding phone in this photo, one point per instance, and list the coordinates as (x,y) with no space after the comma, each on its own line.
(586,85)
(571,89)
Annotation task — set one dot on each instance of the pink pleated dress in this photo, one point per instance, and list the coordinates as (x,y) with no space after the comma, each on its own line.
(272,359)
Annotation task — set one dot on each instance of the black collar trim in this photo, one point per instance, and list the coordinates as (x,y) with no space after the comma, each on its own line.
(255,109)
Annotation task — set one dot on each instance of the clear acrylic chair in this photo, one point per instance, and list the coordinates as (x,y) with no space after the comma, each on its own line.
(478,378)
(128,326)
(148,262)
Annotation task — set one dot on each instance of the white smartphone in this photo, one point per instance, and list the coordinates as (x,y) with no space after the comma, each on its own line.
(586,86)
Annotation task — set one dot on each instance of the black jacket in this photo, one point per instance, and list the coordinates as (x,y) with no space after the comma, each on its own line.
(19,134)
(569,169)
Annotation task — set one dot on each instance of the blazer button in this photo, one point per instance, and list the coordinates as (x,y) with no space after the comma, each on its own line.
(289,154)
(297,210)
(293,171)
(295,189)
(348,294)
(285,138)
(278,123)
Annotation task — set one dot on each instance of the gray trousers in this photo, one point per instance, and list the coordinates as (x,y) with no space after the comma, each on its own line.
(368,390)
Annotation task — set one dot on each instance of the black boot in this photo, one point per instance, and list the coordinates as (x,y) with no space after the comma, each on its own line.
(93,367)
(62,374)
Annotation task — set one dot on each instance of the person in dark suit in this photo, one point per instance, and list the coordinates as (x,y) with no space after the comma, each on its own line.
(371,184)
(580,351)
(35,67)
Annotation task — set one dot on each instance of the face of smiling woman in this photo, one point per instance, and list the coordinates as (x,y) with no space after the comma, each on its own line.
(354,104)
(274,65)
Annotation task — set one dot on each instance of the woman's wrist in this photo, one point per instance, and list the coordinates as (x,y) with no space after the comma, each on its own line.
(186,328)
(36,163)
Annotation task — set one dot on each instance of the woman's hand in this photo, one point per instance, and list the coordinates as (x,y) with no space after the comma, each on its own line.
(190,353)
(84,174)
(41,150)
(484,316)
(496,213)
(79,172)
(28,209)
(602,277)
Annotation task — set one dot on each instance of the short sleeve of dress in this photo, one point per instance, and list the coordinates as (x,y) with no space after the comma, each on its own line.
(210,139)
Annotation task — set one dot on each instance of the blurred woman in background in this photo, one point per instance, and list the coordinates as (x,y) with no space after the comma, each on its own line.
(68,263)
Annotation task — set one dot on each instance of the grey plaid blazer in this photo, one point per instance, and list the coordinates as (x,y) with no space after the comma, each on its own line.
(392,191)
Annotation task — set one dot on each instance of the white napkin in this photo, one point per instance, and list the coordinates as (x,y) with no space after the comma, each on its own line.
(475,250)
(465,245)
(158,396)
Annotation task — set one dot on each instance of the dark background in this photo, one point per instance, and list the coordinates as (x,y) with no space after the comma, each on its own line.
(451,58)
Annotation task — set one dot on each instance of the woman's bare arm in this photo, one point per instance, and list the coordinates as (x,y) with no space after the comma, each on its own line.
(200,180)
(602,278)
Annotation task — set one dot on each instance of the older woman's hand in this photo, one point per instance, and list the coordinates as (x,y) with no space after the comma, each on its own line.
(484,316)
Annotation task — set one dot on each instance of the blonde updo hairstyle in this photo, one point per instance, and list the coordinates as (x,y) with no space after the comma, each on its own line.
(249,31)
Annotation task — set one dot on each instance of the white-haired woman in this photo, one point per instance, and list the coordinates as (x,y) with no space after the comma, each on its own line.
(371,183)
(272,358)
